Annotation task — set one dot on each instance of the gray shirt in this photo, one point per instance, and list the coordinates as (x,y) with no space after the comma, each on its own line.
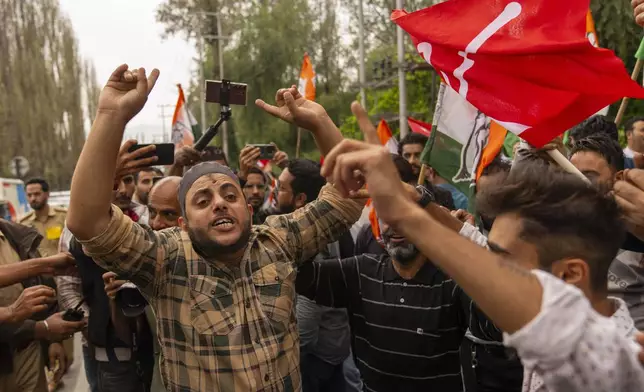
(324,331)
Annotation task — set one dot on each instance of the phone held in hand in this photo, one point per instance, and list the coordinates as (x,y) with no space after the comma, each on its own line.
(266,151)
(164,152)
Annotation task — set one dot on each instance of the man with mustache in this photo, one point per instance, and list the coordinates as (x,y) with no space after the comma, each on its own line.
(222,290)
(408,318)
(542,279)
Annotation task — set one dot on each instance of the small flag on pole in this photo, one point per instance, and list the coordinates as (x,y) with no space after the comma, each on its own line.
(463,141)
(420,127)
(183,123)
(387,139)
(306,86)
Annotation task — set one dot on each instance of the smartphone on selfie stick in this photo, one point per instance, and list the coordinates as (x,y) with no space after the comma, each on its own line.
(225,93)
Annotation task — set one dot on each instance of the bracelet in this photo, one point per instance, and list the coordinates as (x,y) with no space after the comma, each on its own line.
(46,325)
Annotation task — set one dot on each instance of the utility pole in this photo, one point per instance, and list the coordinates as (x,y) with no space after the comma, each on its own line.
(220,53)
(163,116)
(202,78)
(363,78)
(402,87)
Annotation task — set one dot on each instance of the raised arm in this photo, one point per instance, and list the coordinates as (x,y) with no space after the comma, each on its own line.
(309,229)
(122,98)
(515,298)
(293,108)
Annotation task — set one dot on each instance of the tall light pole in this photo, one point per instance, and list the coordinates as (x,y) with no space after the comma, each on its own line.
(363,78)
(220,55)
(402,87)
(202,79)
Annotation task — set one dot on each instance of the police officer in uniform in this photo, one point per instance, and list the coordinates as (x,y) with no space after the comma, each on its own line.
(49,222)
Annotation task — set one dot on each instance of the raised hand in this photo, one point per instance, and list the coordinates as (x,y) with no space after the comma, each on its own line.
(351,163)
(126,92)
(629,194)
(131,162)
(364,123)
(248,157)
(280,159)
(293,108)
(464,216)
(638,11)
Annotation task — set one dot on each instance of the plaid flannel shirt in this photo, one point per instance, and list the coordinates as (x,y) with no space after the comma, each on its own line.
(221,327)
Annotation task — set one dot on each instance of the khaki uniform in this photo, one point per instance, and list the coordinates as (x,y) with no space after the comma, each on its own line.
(29,373)
(51,230)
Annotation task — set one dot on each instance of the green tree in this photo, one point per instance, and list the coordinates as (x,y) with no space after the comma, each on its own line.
(42,110)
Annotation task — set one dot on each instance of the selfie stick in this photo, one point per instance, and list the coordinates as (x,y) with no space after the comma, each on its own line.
(224,115)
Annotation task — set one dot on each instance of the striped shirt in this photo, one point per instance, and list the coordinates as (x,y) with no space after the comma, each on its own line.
(222,327)
(407,333)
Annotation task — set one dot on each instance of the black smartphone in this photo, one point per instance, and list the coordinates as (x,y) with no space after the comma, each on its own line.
(164,152)
(266,151)
(236,95)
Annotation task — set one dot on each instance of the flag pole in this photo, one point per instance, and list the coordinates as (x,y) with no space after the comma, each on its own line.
(639,55)
(421,175)
(299,141)
(565,164)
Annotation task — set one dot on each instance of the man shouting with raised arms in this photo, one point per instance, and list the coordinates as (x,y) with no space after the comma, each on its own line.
(222,290)
(550,323)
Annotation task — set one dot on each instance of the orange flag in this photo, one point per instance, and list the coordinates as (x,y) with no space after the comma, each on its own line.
(307,79)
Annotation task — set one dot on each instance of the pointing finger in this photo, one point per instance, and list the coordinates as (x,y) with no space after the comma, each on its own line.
(152,79)
(270,109)
(141,82)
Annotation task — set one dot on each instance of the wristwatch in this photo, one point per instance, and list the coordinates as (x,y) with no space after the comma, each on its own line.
(426,195)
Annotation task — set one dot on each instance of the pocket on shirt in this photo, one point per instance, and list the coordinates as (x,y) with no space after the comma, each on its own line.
(212,309)
(274,285)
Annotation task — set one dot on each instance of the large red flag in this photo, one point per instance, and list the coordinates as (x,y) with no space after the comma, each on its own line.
(525,63)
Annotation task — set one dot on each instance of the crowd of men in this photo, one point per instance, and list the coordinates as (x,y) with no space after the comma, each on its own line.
(199,277)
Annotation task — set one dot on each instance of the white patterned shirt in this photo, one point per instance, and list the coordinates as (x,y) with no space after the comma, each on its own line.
(569,347)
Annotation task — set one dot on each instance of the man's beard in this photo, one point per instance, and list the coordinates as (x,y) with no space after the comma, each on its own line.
(210,249)
(287,208)
(256,202)
(403,254)
(37,206)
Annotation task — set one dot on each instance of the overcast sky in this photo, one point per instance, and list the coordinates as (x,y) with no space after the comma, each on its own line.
(112,32)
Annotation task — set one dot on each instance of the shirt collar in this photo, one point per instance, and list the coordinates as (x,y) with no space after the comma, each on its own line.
(622,318)
(51,212)
(424,275)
